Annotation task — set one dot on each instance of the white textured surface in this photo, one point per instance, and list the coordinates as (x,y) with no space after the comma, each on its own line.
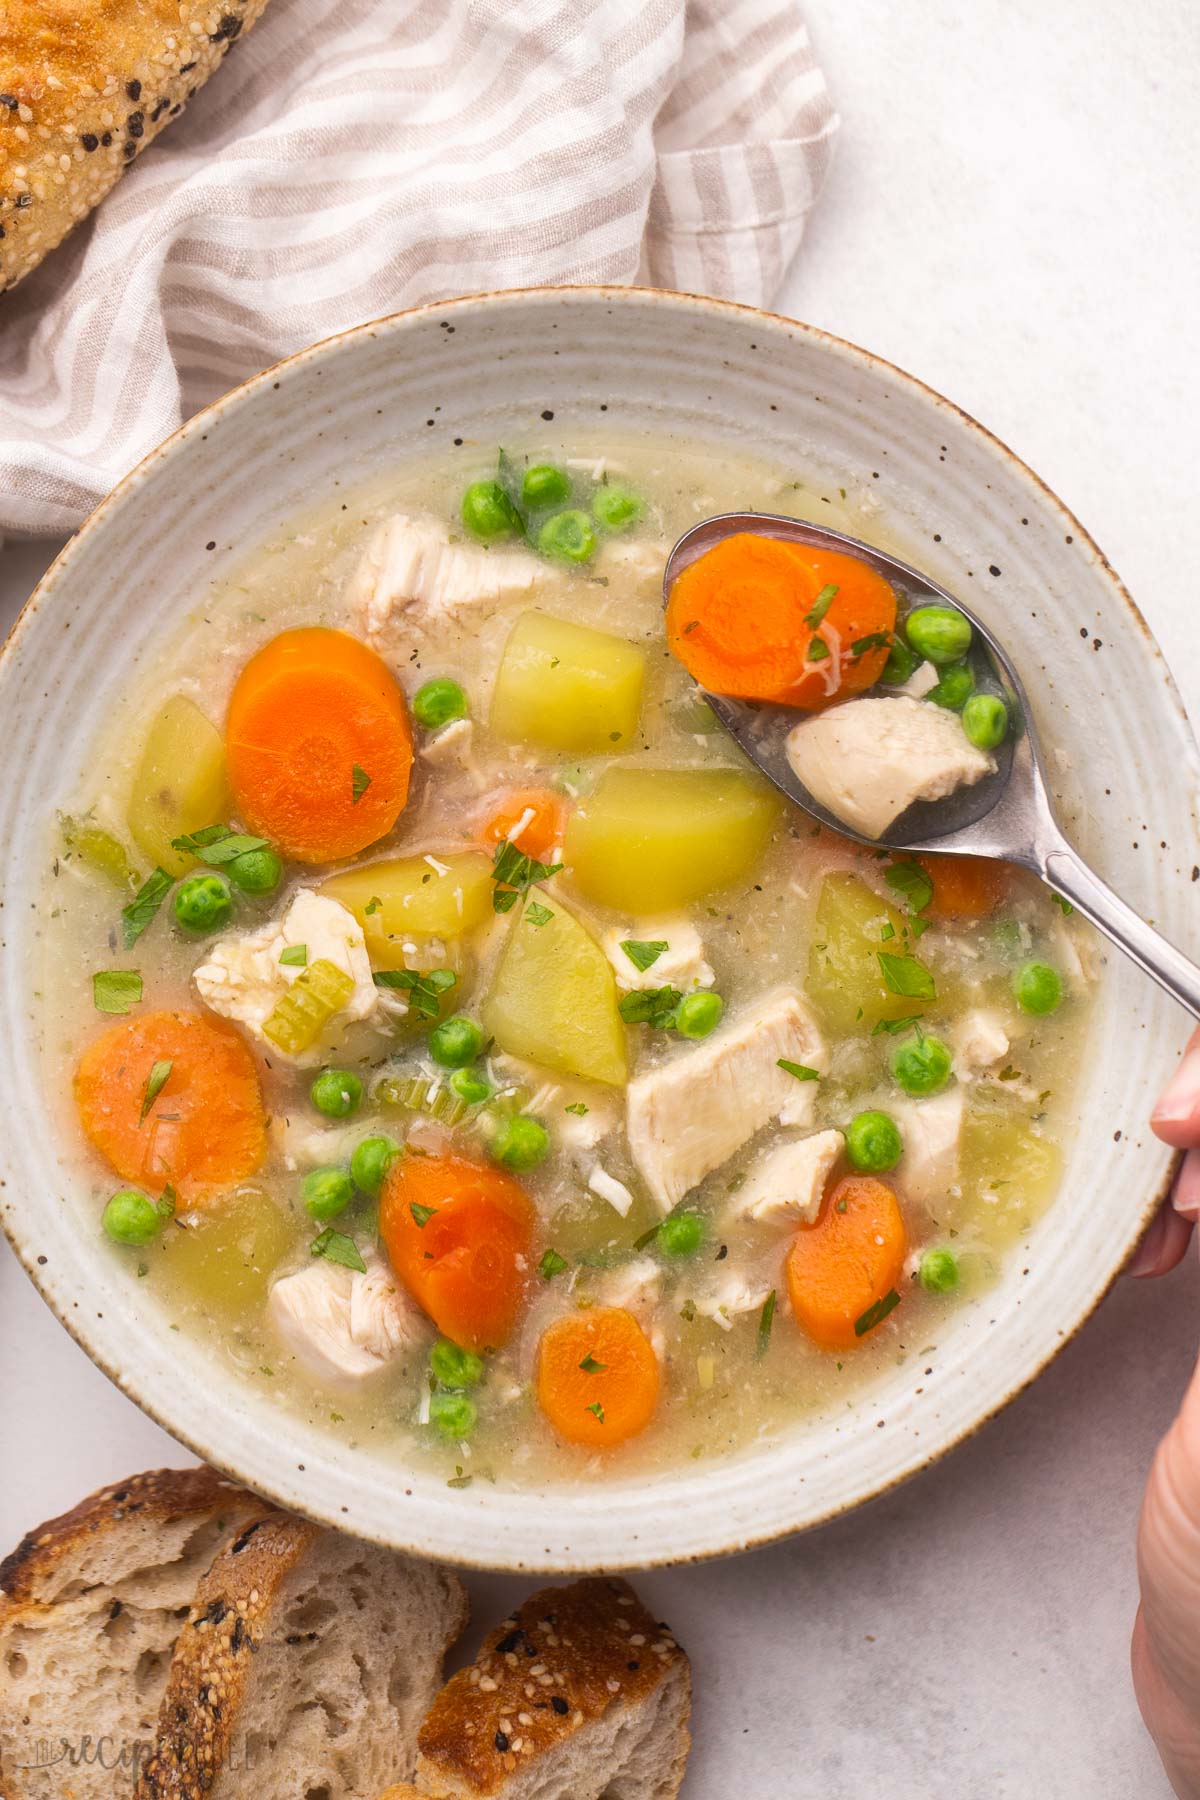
(987,228)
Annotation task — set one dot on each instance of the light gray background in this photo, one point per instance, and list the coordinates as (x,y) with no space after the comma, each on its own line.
(1012,216)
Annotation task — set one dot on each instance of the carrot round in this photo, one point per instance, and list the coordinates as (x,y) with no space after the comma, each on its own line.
(847,1262)
(769,620)
(965,887)
(459,1235)
(597,1376)
(200,1128)
(533,819)
(318,745)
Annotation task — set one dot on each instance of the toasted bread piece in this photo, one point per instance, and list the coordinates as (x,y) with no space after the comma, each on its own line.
(93,1602)
(579,1694)
(85,86)
(306,1664)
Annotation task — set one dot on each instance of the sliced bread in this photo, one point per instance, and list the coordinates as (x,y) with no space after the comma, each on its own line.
(304,1669)
(579,1694)
(92,1604)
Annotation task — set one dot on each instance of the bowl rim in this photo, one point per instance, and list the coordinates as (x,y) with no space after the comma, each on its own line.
(243,393)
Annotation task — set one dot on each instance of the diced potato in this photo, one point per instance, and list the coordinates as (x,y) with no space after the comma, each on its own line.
(843,962)
(653,840)
(1007,1167)
(413,898)
(225,1258)
(553,998)
(567,687)
(179,784)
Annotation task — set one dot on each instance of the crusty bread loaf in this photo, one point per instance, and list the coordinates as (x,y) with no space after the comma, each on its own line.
(85,86)
(305,1667)
(579,1694)
(93,1602)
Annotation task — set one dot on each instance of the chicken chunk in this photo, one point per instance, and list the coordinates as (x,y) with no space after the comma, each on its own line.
(931,1130)
(451,751)
(609,1188)
(636,1285)
(693,1113)
(242,977)
(980,1041)
(734,1294)
(344,1326)
(868,761)
(785,1185)
(680,965)
(305,1146)
(411,575)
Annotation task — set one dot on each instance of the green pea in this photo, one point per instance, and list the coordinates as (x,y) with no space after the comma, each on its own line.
(545,485)
(453,1414)
(616,507)
(938,1271)
(337,1093)
(487,512)
(568,537)
(370,1163)
(938,633)
(921,1065)
(255,871)
(954,689)
(1038,988)
(521,1143)
(439,702)
(326,1192)
(470,1086)
(985,721)
(873,1142)
(202,903)
(681,1235)
(901,663)
(130,1218)
(455,1367)
(698,1014)
(456,1042)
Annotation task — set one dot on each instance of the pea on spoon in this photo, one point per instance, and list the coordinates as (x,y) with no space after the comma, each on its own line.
(1007,814)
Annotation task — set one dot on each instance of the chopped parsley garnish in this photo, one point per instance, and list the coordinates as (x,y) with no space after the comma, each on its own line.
(166,1203)
(1063,904)
(876,1313)
(338,1248)
(691,626)
(537,914)
(578,1107)
(894,1026)
(801,1071)
(650,1006)
(374,905)
(647,1237)
(155,1083)
(217,844)
(912,881)
(765,1321)
(818,650)
(514,874)
(116,990)
(421,1214)
(821,605)
(360,781)
(876,640)
(1008,1073)
(590,1366)
(458,1479)
(424,991)
(145,904)
(888,931)
(552,1264)
(643,954)
(905,975)
(295,956)
(596,1408)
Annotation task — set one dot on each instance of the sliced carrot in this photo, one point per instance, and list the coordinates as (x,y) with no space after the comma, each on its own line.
(533,819)
(202,1131)
(847,1262)
(318,745)
(458,1235)
(756,617)
(966,887)
(597,1376)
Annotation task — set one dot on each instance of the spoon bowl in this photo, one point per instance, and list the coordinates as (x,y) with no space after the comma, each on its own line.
(1009,814)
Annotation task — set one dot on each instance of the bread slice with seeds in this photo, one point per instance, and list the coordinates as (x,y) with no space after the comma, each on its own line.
(304,1669)
(92,1604)
(579,1694)
(85,86)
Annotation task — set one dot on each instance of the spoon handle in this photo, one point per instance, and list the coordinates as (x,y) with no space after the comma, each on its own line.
(1070,876)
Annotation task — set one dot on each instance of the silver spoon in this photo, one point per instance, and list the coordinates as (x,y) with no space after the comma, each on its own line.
(1008,815)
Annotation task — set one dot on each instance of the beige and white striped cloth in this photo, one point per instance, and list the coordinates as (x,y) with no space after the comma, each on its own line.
(354,157)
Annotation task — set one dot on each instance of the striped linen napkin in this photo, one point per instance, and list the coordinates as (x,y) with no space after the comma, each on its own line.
(354,157)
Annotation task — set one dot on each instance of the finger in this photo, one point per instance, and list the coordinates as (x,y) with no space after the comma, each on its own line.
(1164,1244)
(1185,1196)
(1176,1118)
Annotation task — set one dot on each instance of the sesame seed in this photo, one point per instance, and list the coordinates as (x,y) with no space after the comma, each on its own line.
(614,1687)
(486,1685)
(639,1637)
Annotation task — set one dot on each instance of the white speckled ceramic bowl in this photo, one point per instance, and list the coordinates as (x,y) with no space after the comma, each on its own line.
(964,507)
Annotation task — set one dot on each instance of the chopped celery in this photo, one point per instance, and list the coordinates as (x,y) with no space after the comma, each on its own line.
(417,1093)
(302,1013)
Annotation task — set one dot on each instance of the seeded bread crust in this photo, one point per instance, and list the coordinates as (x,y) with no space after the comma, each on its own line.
(567,1657)
(85,86)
